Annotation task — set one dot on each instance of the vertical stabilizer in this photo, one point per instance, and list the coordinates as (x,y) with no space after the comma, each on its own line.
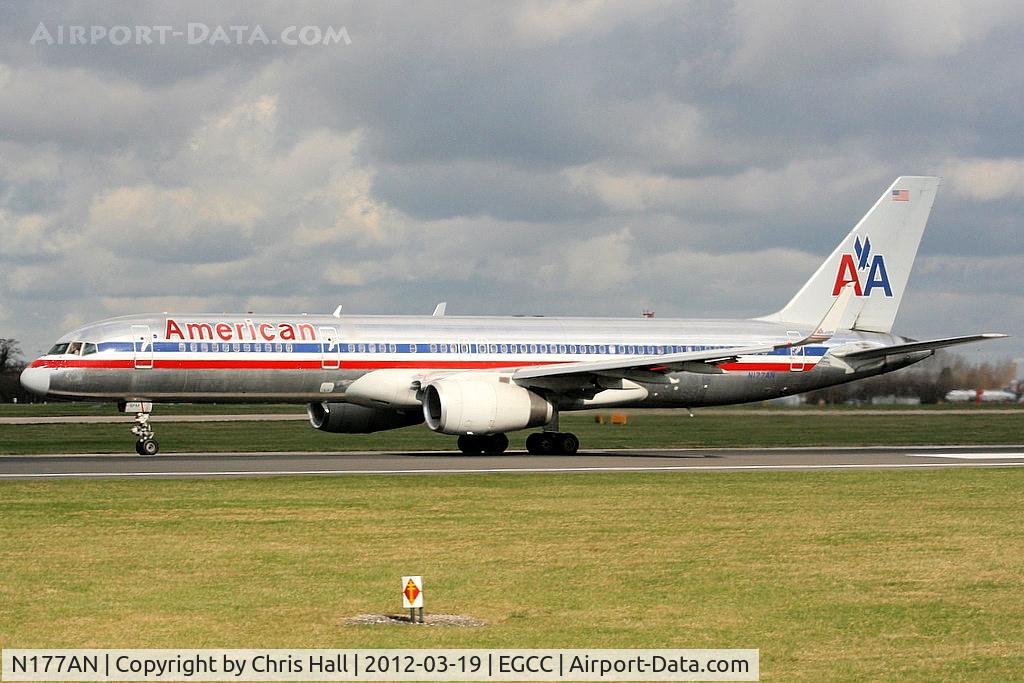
(875,259)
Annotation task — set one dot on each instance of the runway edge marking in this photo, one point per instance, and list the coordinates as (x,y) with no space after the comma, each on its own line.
(680,468)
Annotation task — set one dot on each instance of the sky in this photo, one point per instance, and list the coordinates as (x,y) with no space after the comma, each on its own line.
(698,159)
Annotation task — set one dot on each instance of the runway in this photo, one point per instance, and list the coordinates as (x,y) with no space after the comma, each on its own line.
(207,465)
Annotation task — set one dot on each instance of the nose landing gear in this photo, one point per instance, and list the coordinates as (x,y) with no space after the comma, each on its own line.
(146,444)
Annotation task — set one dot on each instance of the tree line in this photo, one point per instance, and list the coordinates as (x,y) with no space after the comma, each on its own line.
(930,380)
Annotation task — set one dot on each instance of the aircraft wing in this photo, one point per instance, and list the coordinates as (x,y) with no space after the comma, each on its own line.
(914,347)
(692,361)
(704,361)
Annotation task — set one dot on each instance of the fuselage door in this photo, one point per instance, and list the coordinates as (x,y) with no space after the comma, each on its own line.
(142,345)
(330,355)
(797,359)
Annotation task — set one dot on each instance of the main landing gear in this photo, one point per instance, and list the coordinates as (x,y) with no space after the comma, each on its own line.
(552,443)
(549,442)
(489,444)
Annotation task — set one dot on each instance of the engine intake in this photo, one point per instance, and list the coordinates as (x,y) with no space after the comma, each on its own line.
(463,406)
(348,418)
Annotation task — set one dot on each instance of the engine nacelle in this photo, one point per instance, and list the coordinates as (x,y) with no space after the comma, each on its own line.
(479,406)
(348,418)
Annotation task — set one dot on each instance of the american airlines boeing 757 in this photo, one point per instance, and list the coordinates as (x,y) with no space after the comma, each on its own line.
(481,377)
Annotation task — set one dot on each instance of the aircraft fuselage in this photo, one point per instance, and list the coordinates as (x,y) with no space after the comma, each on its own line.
(301,359)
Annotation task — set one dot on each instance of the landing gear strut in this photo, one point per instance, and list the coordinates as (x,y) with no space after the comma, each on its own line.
(551,441)
(490,444)
(146,445)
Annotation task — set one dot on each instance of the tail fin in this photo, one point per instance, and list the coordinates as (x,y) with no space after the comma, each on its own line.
(876,258)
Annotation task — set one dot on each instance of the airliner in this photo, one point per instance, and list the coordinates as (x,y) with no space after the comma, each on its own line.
(480,377)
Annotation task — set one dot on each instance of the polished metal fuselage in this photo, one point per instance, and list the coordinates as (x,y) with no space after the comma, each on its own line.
(300,358)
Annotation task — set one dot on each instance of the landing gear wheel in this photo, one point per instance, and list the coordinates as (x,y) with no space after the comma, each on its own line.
(147,447)
(550,443)
(495,444)
(543,443)
(568,444)
(146,444)
(470,444)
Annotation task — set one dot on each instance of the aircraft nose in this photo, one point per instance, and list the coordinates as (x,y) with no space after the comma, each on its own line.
(36,380)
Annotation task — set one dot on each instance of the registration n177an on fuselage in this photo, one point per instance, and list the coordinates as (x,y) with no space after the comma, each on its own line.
(480,377)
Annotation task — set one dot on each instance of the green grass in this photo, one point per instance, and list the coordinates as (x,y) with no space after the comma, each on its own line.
(643,431)
(834,576)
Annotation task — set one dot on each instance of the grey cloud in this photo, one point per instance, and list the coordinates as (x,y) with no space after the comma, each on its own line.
(435,191)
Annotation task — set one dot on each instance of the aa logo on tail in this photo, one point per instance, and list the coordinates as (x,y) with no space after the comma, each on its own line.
(871,269)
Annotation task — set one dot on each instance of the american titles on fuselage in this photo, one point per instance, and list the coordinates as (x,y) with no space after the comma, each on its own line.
(246,330)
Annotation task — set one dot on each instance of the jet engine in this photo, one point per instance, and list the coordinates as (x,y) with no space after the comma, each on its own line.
(348,418)
(478,406)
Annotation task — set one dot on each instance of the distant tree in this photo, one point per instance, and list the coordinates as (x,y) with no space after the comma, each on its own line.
(930,380)
(10,351)
(10,367)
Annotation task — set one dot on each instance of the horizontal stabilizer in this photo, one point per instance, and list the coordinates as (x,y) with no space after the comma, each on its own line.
(916,347)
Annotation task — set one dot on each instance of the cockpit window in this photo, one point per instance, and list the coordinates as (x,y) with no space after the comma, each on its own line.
(58,349)
(74,348)
(88,348)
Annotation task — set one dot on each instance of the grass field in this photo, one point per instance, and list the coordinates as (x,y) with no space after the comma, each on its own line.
(854,575)
(643,431)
